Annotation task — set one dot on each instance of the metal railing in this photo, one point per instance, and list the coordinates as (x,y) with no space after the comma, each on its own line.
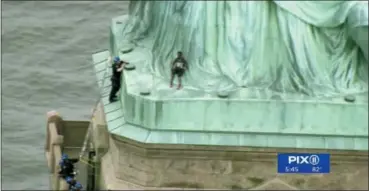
(89,130)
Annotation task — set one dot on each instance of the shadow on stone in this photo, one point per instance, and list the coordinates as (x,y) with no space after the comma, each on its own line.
(236,187)
(223,94)
(255,181)
(182,185)
(126,51)
(350,98)
(126,47)
(276,97)
(144,91)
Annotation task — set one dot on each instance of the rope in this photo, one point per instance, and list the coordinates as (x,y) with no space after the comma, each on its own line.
(89,165)
(86,162)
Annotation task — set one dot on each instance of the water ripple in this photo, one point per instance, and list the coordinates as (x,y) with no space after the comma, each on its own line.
(47,47)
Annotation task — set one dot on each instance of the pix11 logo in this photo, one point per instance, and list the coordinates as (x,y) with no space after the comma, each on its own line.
(313,159)
(303,163)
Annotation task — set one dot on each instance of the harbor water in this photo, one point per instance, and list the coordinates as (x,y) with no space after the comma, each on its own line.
(46,65)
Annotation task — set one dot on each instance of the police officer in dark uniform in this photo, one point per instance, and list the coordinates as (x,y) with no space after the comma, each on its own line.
(73,184)
(76,187)
(67,166)
(178,67)
(115,79)
(71,181)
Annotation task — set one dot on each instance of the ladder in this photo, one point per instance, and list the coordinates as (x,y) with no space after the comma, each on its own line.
(87,146)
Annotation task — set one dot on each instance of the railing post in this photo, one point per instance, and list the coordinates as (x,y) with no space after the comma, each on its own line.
(91,171)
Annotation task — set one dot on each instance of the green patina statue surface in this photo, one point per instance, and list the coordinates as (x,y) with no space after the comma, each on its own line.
(313,48)
(294,73)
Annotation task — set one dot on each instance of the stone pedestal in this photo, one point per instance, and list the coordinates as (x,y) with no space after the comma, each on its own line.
(149,144)
(131,165)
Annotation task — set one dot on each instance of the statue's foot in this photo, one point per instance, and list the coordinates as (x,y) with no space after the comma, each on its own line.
(171,85)
(179,87)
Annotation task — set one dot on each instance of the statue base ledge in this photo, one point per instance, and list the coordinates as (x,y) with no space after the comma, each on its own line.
(118,112)
(239,119)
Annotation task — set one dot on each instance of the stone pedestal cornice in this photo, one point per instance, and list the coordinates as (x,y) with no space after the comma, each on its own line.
(149,166)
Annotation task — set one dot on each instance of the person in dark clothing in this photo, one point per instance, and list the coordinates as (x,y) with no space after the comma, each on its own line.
(73,185)
(67,166)
(178,67)
(71,182)
(115,79)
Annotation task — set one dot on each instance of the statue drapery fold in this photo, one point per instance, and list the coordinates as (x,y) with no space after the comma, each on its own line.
(309,47)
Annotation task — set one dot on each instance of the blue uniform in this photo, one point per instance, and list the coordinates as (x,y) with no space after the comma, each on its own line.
(76,187)
(66,166)
(62,163)
(64,157)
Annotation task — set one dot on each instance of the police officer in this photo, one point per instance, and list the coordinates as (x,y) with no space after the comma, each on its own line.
(70,181)
(115,79)
(73,184)
(66,166)
(64,158)
(63,163)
